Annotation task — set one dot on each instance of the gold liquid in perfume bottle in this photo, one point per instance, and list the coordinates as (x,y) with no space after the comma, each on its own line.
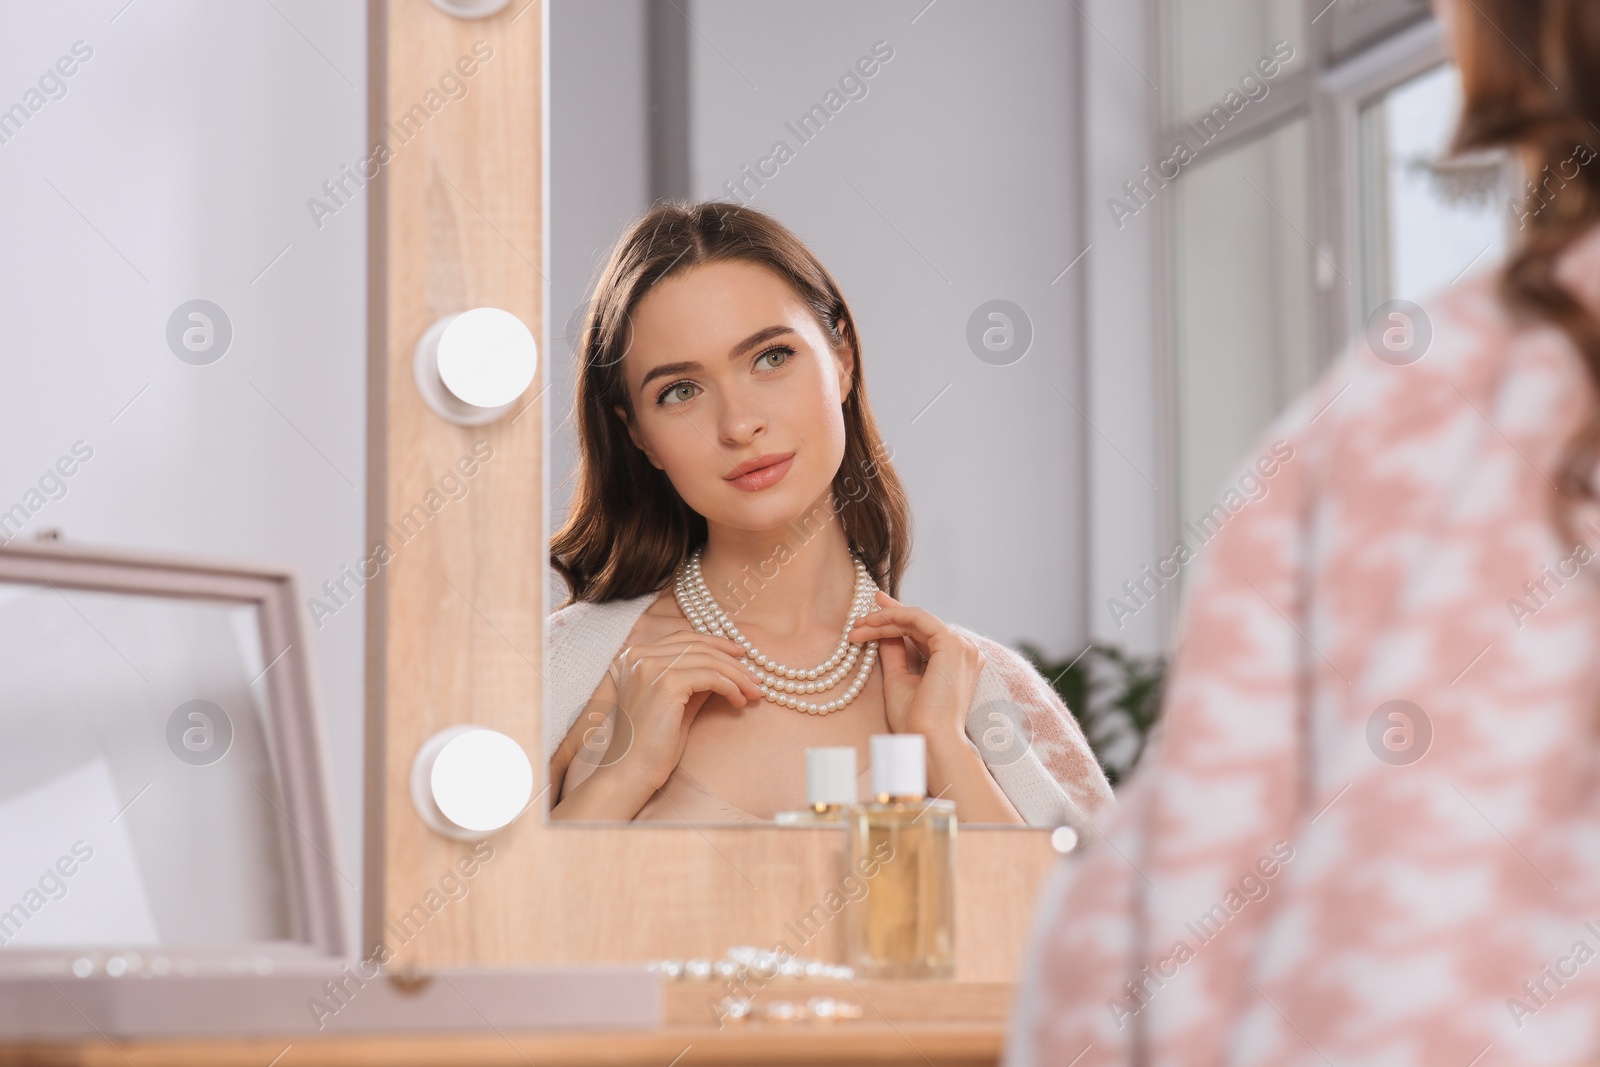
(903,844)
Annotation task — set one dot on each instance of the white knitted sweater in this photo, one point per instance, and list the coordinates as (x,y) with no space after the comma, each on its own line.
(1031,743)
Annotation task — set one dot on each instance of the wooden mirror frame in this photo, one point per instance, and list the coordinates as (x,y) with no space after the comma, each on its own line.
(456,620)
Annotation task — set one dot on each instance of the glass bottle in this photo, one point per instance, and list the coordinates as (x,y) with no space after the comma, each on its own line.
(830,788)
(903,845)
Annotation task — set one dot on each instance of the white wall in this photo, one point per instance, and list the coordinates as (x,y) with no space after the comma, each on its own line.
(178,165)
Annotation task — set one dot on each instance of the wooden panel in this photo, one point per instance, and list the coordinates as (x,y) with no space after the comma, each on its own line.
(455,622)
(945,1023)
(786,1045)
(688,1001)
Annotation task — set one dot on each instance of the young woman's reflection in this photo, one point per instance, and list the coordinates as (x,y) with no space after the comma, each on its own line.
(721,409)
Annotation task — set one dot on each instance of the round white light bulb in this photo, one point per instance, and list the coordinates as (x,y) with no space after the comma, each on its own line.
(468,782)
(470,9)
(1063,839)
(487,357)
(472,367)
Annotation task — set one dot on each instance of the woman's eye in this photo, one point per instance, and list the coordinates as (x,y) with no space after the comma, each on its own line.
(779,351)
(673,394)
(681,392)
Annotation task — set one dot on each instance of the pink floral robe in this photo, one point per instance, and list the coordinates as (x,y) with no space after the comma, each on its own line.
(1303,872)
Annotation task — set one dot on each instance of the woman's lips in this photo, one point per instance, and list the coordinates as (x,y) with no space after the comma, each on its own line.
(765,476)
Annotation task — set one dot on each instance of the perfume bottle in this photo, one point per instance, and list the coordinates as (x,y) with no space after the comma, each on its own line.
(830,788)
(903,845)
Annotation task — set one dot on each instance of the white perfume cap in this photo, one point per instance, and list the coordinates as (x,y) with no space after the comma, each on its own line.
(900,765)
(831,775)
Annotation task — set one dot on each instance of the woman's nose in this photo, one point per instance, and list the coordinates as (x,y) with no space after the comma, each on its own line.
(739,419)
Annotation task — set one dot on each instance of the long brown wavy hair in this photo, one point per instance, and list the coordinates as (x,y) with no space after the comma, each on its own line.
(628,527)
(1530,74)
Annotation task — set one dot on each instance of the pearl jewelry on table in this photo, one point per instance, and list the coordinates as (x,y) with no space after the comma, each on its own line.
(747,960)
(782,684)
(820,1009)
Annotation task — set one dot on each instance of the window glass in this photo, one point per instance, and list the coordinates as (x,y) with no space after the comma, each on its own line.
(1241,305)
(1425,220)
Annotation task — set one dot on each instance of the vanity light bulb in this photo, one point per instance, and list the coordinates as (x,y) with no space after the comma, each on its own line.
(472,367)
(468,782)
(1064,839)
(486,357)
(470,9)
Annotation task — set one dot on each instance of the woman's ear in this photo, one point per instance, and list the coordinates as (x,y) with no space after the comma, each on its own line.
(845,358)
(633,434)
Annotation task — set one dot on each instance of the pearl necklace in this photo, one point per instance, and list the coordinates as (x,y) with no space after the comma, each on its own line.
(780,683)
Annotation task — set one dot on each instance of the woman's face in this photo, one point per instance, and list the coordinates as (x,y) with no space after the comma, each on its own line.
(725,365)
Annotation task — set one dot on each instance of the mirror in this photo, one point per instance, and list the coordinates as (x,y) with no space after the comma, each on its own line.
(163,802)
(956,260)
(1070,341)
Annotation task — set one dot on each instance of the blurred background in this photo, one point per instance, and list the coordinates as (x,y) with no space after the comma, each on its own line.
(1074,328)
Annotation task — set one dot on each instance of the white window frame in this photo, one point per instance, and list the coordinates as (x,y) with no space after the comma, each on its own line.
(1358,52)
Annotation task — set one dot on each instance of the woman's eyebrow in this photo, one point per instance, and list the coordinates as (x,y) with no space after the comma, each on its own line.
(764,334)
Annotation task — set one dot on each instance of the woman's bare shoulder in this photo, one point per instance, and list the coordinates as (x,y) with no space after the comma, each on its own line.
(660,618)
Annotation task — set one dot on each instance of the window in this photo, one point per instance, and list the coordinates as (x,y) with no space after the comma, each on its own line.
(1314,195)
(1240,305)
(1425,222)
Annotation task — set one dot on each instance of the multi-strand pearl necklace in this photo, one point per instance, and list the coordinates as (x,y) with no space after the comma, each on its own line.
(781,684)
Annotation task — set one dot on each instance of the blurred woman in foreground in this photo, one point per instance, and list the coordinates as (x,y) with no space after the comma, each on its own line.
(1368,831)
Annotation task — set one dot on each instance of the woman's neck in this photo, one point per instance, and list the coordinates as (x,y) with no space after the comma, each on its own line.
(786,580)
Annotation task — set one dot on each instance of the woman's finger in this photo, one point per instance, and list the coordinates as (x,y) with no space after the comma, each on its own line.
(928,635)
(925,621)
(654,667)
(697,653)
(680,639)
(886,632)
(898,620)
(892,658)
(701,679)
(722,647)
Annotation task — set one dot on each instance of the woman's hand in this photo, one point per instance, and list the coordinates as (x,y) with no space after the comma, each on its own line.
(657,690)
(934,699)
(933,696)
(661,688)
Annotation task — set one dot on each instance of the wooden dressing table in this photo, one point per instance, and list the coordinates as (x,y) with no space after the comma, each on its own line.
(947,1024)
